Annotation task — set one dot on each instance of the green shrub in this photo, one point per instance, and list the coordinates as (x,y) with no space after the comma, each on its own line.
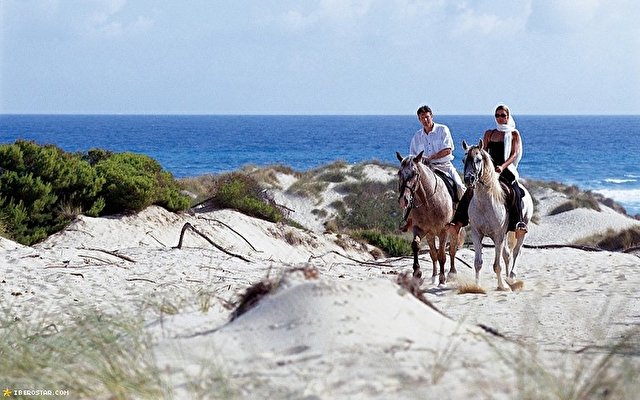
(370,205)
(136,181)
(36,181)
(335,176)
(243,193)
(392,245)
(42,187)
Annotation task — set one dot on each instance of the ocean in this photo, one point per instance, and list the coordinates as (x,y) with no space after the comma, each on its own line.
(599,153)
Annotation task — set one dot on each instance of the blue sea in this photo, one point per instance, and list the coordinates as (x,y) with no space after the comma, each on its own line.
(600,153)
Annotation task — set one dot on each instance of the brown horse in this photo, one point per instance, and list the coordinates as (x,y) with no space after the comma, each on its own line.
(424,195)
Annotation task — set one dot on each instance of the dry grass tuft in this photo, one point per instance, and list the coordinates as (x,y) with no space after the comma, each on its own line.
(202,186)
(470,288)
(515,285)
(254,294)
(252,297)
(68,211)
(292,238)
(268,176)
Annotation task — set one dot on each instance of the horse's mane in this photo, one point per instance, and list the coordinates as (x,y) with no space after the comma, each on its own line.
(490,177)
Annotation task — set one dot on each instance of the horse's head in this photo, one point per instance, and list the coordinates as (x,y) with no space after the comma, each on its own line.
(473,163)
(408,178)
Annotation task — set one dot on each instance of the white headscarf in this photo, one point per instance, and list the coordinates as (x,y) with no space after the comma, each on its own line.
(508,129)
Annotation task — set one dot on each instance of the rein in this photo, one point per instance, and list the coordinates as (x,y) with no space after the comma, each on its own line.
(415,188)
(481,175)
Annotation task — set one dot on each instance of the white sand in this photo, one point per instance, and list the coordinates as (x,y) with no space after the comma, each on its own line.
(351,333)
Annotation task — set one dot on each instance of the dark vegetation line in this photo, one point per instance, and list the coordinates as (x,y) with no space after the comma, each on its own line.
(43,189)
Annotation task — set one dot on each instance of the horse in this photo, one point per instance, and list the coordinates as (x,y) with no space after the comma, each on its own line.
(488,215)
(424,196)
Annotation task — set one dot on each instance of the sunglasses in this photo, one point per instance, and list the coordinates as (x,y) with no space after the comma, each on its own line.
(501,115)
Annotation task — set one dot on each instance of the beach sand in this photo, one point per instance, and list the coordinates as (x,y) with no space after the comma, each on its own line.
(336,324)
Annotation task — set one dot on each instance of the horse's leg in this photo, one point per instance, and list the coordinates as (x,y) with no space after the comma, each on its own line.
(477,247)
(461,237)
(415,246)
(442,256)
(528,212)
(516,252)
(507,251)
(453,248)
(499,243)
(433,253)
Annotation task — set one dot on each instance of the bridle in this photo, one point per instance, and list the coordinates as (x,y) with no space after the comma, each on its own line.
(404,185)
(476,172)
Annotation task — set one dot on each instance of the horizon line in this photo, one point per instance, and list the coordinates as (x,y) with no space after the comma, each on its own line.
(303,115)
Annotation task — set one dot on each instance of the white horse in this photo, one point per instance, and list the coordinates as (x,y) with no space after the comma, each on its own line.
(488,215)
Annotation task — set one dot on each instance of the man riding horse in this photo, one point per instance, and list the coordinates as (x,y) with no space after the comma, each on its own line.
(436,143)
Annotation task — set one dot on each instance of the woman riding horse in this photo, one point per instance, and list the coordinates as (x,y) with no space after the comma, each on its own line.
(504,145)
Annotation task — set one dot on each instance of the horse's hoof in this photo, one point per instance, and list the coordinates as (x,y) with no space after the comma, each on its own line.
(452,276)
(417,274)
(512,275)
(443,280)
(502,289)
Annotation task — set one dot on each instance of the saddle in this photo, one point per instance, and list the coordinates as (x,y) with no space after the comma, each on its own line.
(511,203)
(510,195)
(449,184)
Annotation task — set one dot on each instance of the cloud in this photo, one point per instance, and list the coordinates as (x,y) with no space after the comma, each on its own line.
(472,22)
(553,16)
(108,18)
(337,10)
(333,14)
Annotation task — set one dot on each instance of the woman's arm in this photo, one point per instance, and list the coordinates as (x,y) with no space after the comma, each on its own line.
(485,139)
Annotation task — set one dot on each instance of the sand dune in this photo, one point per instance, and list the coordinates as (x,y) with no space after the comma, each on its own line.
(345,331)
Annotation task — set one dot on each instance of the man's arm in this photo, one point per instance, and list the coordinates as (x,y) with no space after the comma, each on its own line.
(440,154)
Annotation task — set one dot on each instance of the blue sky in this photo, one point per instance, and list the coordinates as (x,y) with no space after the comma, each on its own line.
(319,57)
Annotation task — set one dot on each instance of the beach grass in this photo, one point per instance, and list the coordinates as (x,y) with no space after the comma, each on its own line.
(603,372)
(106,355)
(576,197)
(612,240)
(92,355)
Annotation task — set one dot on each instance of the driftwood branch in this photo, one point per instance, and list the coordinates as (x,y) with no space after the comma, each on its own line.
(560,246)
(95,258)
(139,279)
(156,239)
(632,249)
(113,253)
(205,237)
(233,230)
(193,207)
(377,264)
(285,207)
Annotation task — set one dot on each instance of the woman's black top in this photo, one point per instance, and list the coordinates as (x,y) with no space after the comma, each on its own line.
(496,151)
